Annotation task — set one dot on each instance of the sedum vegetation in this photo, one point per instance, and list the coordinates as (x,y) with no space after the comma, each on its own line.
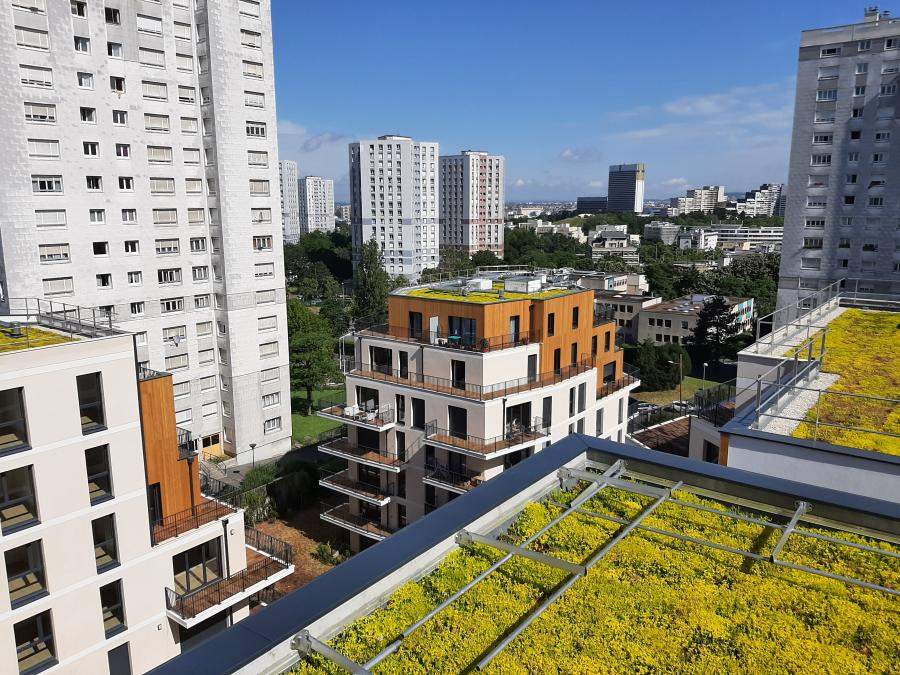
(31,337)
(863,348)
(654,604)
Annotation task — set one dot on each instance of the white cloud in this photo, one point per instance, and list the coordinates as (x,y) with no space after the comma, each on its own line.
(322,153)
(597,183)
(675,181)
(582,155)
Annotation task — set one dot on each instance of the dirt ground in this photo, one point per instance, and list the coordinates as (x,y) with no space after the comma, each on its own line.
(303,530)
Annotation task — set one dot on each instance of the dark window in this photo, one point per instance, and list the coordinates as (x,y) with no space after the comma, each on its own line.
(25,571)
(457,421)
(154,502)
(599,421)
(607,339)
(90,403)
(415,324)
(99,483)
(710,452)
(401,446)
(532,367)
(120,660)
(401,409)
(574,353)
(418,413)
(557,360)
(197,567)
(13,429)
(551,324)
(105,549)
(574,317)
(35,649)
(547,412)
(430,499)
(18,507)
(429,455)
(401,485)
(609,372)
(113,608)
(458,374)
(593,345)
(462,330)
(571,401)
(582,396)
(401,515)
(579,427)
(404,364)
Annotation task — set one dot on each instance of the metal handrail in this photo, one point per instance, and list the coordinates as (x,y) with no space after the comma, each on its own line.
(271,546)
(342,443)
(342,478)
(188,519)
(512,436)
(607,388)
(187,444)
(444,474)
(441,338)
(377,416)
(342,512)
(144,373)
(72,319)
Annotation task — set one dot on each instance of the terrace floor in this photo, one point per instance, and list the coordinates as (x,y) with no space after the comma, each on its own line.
(672,437)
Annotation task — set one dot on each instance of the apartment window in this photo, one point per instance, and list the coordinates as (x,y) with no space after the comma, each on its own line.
(821,160)
(200,273)
(169,276)
(879,157)
(135,278)
(249,8)
(262,270)
(18,507)
(189,125)
(186,94)
(43,184)
(174,334)
(94,183)
(822,139)
(117,84)
(891,43)
(85,80)
(206,356)
(261,215)
(252,69)
(256,129)
(268,349)
(169,305)
(177,362)
(106,552)
(812,242)
(183,416)
(828,73)
(35,646)
(32,38)
(852,157)
(36,76)
(120,117)
(78,8)
(156,122)
(53,253)
(876,201)
(849,199)
(264,243)
(83,45)
(90,403)
(890,67)
(257,158)
(827,52)
(816,202)
(266,323)
(193,186)
(149,24)
(271,425)
(184,63)
(113,608)
(183,31)
(99,481)
(207,383)
(50,218)
(167,246)
(810,263)
(859,91)
(58,286)
(202,301)
(112,16)
(162,186)
(826,95)
(157,91)
(259,187)
(254,99)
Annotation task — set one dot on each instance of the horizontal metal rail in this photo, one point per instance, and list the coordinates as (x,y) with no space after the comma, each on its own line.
(305,643)
(465,537)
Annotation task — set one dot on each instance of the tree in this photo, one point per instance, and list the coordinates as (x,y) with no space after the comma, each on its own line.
(334,311)
(372,286)
(715,329)
(485,259)
(658,364)
(311,349)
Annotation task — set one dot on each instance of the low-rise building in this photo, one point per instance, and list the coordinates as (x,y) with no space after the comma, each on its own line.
(466,379)
(614,243)
(673,321)
(547,227)
(743,237)
(626,308)
(661,230)
(697,239)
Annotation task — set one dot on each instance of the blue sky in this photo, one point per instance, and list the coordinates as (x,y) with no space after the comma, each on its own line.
(701,92)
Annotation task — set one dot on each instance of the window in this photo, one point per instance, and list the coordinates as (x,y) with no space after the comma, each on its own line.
(94,183)
(193,186)
(888,90)
(418,413)
(261,215)
(198,244)
(206,356)
(826,52)
(183,416)
(156,122)
(204,328)
(50,218)
(859,91)
(207,383)
(256,129)
(53,253)
(265,297)
(821,160)
(849,199)
(184,63)
(120,117)
(169,305)
(46,184)
(200,273)
(32,38)
(269,375)
(862,68)
(249,8)
(90,403)
(162,186)
(106,552)
(822,139)
(90,148)
(202,301)
(174,334)
(826,95)
(254,99)
(83,45)
(268,349)
(113,608)
(78,8)
(183,31)
(261,270)
(149,24)
(828,73)
(167,246)
(186,94)
(197,567)
(259,187)
(135,278)
(169,276)
(810,263)
(192,156)
(35,647)
(264,243)
(43,148)
(876,201)
(58,286)
(252,69)
(85,80)
(891,43)
(36,76)
(98,474)
(211,408)
(188,125)
(117,84)
(177,362)
(879,157)
(257,158)
(18,507)
(815,223)
(269,400)
(40,112)
(816,202)
(112,16)
(271,425)
(852,156)
(812,242)
(266,323)
(156,91)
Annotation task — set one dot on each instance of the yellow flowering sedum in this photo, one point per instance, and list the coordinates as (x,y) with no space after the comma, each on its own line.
(654,604)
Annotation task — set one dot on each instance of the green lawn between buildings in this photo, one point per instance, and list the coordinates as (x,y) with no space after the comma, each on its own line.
(305,428)
(689,387)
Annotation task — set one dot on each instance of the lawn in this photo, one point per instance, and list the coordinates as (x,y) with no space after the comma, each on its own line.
(690,386)
(305,428)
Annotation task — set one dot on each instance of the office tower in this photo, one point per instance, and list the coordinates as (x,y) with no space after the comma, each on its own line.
(288,175)
(591,205)
(473,201)
(316,204)
(626,188)
(466,379)
(394,197)
(114,559)
(839,222)
(142,179)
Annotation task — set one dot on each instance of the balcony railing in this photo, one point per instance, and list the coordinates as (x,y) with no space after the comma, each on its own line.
(480,392)
(187,445)
(341,516)
(190,605)
(603,314)
(144,373)
(439,338)
(343,481)
(178,523)
(611,387)
(379,417)
(513,436)
(462,480)
(344,447)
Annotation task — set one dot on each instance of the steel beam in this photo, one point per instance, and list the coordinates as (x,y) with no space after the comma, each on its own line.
(465,537)
(305,643)
(802,507)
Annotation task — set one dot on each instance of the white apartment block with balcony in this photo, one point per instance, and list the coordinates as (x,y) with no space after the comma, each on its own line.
(142,179)
(473,201)
(763,201)
(703,199)
(289,175)
(395,200)
(316,195)
(105,570)
(746,238)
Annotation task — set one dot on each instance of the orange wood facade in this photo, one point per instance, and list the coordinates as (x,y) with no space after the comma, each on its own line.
(176,477)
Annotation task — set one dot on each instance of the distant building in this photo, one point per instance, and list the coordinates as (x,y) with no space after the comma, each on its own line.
(763,201)
(342,212)
(591,205)
(698,239)
(661,230)
(614,243)
(674,321)
(546,227)
(625,309)
(316,204)
(472,201)
(290,200)
(704,199)
(740,236)
(626,188)
(528,211)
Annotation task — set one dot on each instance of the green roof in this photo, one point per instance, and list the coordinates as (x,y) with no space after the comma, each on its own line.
(653,604)
(30,337)
(484,297)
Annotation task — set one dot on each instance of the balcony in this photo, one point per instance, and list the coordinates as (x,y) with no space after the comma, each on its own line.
(603,314)
(469,390)
(187,445)
(611,387)
(268,560)
(343,482)
(442,476)
(513,439)
(343,447)
(175,524)
(355,522)
(469,343)
(381,419)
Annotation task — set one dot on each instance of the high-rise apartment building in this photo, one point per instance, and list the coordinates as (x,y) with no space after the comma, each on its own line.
(473,201)
(843,191)
(289,176)
(114,559)
(142,179)
(698,200)
(763,201)
(316,204)
(467,379)
(626,188)
(395,200)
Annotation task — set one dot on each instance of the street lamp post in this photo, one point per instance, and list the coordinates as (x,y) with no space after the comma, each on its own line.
(705,364)
(253,457)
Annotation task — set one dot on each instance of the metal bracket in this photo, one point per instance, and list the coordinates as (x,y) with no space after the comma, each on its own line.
(802,508)
(466,537)
(305,643)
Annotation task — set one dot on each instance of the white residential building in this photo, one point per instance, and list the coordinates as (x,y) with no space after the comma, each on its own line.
(126,128)
(743,237)
(290,200)
(661,230)
(473,201)
(395,200)
(763,201)
(316,204)
(703,199)
(698,239)
(546,227)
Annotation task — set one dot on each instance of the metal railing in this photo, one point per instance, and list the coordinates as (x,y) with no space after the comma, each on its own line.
(379,416)
(339,442)
(343,479)
(716,404)
(61,316)
(603,314)
(607,388)
(341,513)
(441,338)
(144,373)
(482,392)
(187,444)
(442,473)
(271,546)
(180,522)
(514,435)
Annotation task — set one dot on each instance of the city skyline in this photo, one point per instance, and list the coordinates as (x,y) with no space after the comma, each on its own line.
(610,106)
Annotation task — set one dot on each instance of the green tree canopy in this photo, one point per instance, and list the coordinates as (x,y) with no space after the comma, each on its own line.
(311,349)
(485,259)
(372,286)
(715,329)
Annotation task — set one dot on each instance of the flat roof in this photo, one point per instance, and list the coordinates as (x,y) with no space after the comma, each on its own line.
(688,305)
(643,561)
(25,336)
(456,290)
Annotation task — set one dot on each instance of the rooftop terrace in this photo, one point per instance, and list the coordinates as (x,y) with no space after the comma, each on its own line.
(491,285)
(14,337)
(29,323)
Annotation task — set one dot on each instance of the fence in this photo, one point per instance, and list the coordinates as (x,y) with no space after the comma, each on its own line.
(513,435)
(183,521)
(71,319)
(449,340)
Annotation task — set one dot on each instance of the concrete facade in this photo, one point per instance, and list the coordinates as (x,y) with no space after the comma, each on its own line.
(473,201)
(142,180)
(673,322)
(289,175)
(316,204)
(661,230)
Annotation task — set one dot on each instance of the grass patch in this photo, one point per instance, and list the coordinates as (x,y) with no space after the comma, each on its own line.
(689,387)
(863,348)
(485,297)
(305,428)
(31,337)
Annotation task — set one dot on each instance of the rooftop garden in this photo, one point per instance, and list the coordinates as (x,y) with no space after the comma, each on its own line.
(653,604)
(28,337)
(863,348)
(483,297)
